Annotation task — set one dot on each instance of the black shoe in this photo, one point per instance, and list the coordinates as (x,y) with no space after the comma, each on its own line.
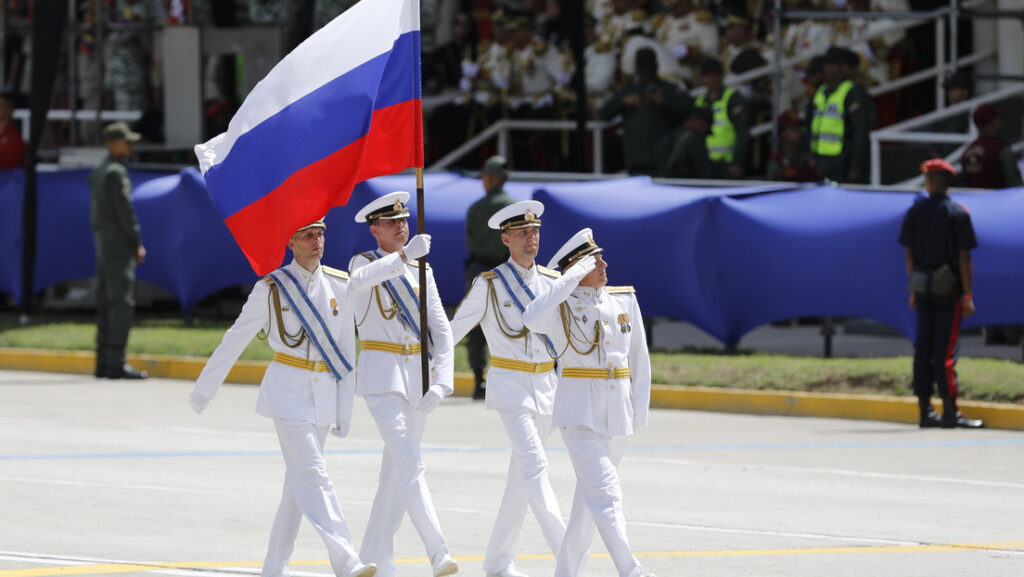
(479,392)
(930,419)
(958,420)
(101,371)
(126,372)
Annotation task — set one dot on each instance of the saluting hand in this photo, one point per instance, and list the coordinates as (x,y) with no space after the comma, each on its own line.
(582,267)
(418,247)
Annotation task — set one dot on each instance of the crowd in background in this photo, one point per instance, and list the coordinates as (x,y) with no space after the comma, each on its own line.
(665,67)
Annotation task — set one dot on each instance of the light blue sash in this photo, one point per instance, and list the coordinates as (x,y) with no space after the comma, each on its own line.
(521,295)
(407,299)
(316,328)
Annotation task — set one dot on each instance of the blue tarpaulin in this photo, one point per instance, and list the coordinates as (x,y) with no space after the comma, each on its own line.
(725,259)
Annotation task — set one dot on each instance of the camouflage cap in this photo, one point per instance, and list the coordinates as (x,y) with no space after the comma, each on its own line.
(120,131)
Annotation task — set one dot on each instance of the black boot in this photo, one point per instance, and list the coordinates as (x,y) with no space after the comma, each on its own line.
(952,418)
(126,371)
(480,387)
(101,371)
(930,418)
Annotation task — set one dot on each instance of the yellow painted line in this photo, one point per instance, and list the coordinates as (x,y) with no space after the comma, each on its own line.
(788,403)
(110,568)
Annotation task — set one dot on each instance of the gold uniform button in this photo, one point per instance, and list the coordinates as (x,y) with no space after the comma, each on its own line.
(607,343)
(609,365)
(613,387)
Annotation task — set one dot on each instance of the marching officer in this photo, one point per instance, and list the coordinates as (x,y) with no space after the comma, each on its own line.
(118,251)
(840,118)
(384,292)
(729,141)
(521,383)
(486,251)
(307,389)
(603,394)
(938,236)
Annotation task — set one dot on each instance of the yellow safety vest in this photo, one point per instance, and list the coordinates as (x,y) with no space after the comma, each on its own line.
(722,139)
(828,126)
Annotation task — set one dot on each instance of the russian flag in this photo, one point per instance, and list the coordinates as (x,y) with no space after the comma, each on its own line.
(343,107)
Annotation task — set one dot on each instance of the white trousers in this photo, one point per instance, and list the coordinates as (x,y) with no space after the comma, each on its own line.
(526,485)
(308,491)
(402,486)
(597,501)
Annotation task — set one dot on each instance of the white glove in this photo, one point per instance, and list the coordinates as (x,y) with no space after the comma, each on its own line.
(544,101)
(680,51)
(340,429)
(582,268)
(465,84)
(198,402)
(470,69)
(430,400)
(418,247)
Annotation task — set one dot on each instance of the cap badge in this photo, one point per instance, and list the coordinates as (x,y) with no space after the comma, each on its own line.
(590,240)
(529,216)
(398,206)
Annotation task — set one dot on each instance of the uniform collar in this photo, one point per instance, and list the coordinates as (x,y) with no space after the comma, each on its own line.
(589,294)
(304,275)
(526,273)
(496,190)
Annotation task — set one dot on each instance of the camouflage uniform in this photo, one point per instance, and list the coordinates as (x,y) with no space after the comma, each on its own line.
(126,72)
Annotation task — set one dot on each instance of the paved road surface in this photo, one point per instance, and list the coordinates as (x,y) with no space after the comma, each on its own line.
(118,478)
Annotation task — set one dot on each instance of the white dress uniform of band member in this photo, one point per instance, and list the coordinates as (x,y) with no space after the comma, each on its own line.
(384,292)
(603,394)
(307,389)
(521,382)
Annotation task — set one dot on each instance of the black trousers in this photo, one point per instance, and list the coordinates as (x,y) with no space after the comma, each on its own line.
(937,346)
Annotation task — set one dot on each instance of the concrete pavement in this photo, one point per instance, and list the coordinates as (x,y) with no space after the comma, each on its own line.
(121,478)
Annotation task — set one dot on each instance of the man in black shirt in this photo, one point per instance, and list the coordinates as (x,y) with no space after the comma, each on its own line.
(938,236)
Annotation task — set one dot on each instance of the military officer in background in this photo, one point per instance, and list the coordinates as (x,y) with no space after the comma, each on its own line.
(521,382)
(307,389)
(603,394)
(839,120)
(601,63)
(729,140)
(688,31)
(384,294)
(118,251)
(486,251)
(938,237)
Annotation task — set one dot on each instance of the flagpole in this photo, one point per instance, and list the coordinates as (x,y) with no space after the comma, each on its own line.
(424,333)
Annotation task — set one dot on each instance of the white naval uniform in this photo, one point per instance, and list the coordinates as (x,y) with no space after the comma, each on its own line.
(594,414)
(392,386)
(304,404)
(524,402)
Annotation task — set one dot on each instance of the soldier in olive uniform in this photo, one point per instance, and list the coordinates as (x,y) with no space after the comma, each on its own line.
(118,251)
(840,118)
(486,251)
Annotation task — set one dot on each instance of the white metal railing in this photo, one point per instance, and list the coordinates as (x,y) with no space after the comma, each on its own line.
(502,128)
(25,115)
(901,132)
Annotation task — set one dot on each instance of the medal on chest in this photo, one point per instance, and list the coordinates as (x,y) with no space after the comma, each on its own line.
(624,323)
(334,307)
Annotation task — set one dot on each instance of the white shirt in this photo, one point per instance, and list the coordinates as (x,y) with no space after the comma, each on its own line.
(507,388)
(383,372)
(288,392)
(608,406)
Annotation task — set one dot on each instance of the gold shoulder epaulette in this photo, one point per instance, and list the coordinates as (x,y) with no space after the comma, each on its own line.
(548,272)
(269,280)
(657,20)
(617,290)
(335,272)
(489,274)
(704,16)
(416,263)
